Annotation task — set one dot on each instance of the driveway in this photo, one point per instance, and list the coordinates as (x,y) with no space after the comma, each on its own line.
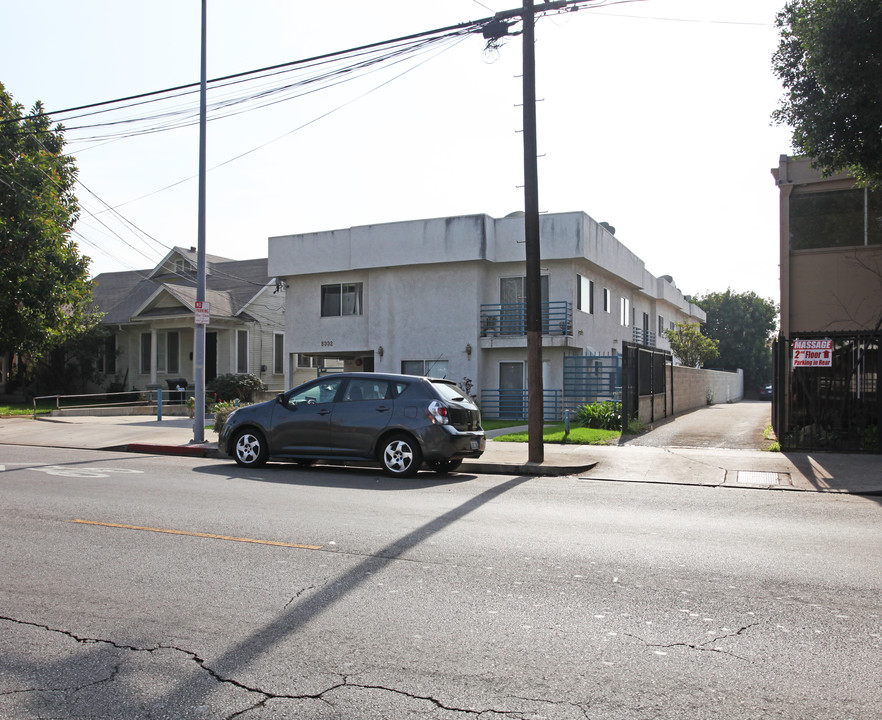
(736,426)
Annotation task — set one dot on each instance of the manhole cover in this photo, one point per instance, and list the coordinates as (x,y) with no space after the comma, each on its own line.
(749,477)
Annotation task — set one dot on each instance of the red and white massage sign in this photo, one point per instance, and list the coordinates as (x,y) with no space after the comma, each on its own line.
(813,353)
(202,312)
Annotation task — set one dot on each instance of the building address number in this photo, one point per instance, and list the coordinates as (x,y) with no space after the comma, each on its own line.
(327,343)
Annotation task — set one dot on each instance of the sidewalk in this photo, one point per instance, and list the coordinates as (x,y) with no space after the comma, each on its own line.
(713,467)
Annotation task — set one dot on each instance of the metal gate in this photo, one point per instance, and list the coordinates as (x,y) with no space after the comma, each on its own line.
(829,408)
(647,394)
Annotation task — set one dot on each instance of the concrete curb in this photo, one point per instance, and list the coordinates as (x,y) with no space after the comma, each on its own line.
(183,450)
(525,469)
(211,451)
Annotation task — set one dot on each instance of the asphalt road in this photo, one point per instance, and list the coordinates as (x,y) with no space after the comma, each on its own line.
(159,587)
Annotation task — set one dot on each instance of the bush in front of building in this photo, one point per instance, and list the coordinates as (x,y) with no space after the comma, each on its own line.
(234,386)
(606,415)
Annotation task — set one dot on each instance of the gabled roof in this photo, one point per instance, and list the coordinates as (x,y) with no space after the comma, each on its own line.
(166,266)
(230,287)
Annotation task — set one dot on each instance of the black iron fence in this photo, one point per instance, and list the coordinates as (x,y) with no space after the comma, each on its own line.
(833,406)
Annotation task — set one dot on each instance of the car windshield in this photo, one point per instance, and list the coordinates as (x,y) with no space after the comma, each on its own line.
(451,392)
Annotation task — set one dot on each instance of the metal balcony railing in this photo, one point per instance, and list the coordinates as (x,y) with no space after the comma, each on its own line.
(510,319)
(644,337)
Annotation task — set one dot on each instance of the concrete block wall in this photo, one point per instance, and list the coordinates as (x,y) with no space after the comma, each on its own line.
(691,387)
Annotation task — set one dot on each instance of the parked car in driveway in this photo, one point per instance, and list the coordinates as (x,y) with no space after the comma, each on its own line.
(765,392)
(401,421)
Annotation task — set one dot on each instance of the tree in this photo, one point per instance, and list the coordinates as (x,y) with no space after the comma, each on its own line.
(743,325)
(829,59)
(689,346)
(45,291)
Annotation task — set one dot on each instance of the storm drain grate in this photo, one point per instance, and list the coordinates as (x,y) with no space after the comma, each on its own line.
(749,477)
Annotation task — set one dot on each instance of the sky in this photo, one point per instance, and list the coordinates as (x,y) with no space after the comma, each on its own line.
(654,116)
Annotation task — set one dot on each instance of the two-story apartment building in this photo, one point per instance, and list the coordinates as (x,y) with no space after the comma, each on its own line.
(445,297)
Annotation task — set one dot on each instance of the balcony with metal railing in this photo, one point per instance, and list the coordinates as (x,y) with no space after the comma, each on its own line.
(508,321)
(644,337)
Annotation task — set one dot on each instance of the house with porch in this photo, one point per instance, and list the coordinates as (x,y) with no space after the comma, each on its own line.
(445,297)
(150,315)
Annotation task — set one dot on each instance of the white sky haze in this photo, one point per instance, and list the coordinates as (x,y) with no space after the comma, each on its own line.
(655,117)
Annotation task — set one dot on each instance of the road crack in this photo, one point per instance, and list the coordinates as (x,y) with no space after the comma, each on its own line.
(701,647)
(265,695)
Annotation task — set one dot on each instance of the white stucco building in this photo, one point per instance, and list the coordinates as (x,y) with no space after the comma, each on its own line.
(445,297)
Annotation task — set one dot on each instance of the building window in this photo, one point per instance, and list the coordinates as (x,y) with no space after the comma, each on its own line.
(183,266)
(279,353)
(241,351)
(172,352)
(106,362)
(425,368)
(661,325)
(607,300)
(835,219)
(625,314)
(585,290)
(341,299)
(309,361)
(167,346)
(146,353)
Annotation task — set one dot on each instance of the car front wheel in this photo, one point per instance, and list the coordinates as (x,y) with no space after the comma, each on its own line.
(401,456)
(249,449)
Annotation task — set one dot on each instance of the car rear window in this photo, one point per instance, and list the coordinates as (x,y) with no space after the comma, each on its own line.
(451,392)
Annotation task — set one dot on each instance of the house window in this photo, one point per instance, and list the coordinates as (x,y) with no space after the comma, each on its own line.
(183,266)
(167,346)
(607,300)
(146,353)
(585,301)
(625,314)
(172,352)
(425,368)
(341,299)
(106,362)
(661,325)
(278,353)
(241,351)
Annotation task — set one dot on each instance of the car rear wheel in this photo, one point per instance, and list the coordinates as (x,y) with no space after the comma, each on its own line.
(444,466)
(401,456)
(249,449)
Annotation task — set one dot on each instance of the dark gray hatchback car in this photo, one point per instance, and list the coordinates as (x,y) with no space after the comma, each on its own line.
(400,421)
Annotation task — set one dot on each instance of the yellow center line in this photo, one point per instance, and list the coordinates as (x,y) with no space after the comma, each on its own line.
(210,536)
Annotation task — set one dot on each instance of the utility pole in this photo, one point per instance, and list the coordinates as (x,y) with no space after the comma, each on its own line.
(493,30)
(535,390)
(199,328)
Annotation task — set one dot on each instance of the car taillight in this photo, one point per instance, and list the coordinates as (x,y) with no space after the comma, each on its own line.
(438,413)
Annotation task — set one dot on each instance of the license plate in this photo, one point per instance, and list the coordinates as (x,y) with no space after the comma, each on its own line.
(474,444)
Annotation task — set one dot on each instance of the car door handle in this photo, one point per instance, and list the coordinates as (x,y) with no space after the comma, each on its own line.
(324,412)
(383,408)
